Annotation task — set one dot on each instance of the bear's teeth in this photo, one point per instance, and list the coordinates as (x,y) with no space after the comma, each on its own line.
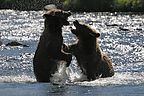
(73,27)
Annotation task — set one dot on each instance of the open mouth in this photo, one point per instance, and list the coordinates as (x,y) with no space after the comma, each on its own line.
(76,23)
(73,29)
(65,17)
(66,22)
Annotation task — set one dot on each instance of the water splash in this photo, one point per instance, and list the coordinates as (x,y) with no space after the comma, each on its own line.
(124,78)
(60,76)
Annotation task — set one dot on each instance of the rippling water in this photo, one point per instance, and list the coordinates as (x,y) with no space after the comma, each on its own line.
(122,38)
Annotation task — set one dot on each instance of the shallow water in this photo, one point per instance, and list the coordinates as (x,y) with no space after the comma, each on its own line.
(122,38)
(51,90)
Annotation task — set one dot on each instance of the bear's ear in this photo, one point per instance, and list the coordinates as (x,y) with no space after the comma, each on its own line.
(45,16)
(49,14)
(58,13)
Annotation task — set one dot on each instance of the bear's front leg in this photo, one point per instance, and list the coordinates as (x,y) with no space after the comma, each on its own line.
(65,48)
(66,57)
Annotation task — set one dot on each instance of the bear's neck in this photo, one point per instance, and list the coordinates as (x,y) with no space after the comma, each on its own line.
(53,28)
(89,46)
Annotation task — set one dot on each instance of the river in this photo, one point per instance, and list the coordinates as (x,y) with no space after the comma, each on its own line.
(122,38)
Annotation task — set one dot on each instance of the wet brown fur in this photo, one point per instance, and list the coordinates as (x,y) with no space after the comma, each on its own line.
(50,47)
(93,62)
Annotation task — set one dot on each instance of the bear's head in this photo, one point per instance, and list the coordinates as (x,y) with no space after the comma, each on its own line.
(56,17)
(84,32)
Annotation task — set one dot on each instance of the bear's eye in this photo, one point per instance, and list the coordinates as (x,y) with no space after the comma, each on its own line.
(58,14)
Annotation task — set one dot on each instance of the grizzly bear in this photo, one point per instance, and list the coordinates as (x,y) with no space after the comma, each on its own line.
(93,62)
(50,48)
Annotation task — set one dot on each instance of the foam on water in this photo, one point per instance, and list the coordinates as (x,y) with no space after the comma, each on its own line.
(126,48)
(17,79)
(124,78)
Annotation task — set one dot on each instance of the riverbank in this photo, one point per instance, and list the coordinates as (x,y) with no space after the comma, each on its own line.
(77,5)
(28,5)
(105,5)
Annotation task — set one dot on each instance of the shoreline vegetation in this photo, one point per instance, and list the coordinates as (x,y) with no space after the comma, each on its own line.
(77,5)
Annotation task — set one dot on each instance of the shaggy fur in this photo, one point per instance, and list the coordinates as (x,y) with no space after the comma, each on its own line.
(92,61)
(50,48)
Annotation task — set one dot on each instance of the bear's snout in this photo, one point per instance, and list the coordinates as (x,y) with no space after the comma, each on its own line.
(68,14)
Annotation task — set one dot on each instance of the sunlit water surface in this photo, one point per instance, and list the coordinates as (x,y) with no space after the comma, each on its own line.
(122,38)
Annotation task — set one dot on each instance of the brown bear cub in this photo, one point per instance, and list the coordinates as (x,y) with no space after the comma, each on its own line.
(92,61)
(50,48)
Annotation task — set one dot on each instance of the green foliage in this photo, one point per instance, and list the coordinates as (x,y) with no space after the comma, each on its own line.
(7,1)
(27,4)
(88,5)
(105,5)
(128,5)
(76,5)
(71,4)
